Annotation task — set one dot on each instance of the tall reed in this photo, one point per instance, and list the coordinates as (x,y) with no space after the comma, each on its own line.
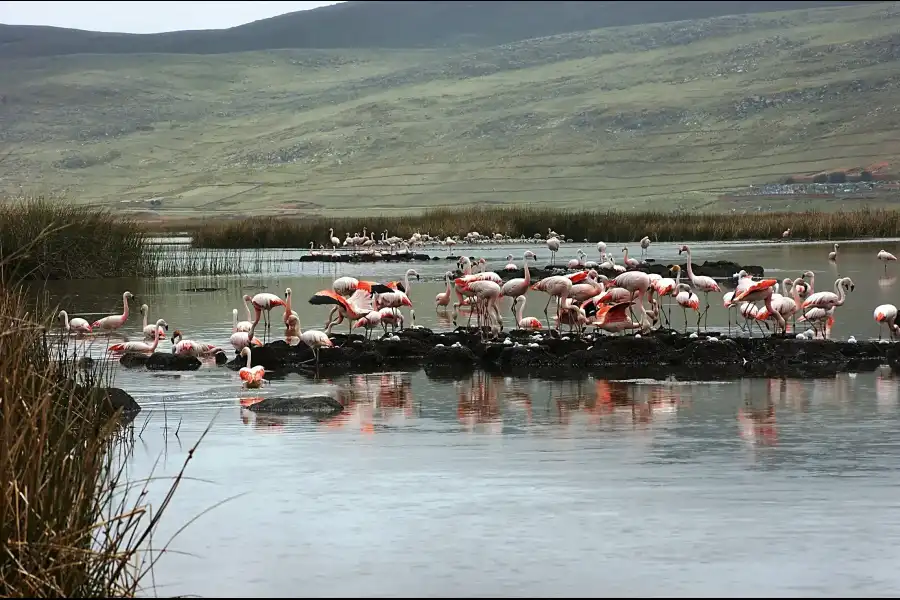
(517,222)
(66,528)
(75,242)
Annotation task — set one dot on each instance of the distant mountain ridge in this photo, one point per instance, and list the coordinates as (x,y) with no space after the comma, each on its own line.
(386,25)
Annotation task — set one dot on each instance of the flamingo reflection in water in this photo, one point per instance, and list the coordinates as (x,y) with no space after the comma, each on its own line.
(478,407)
(365,396)
(601,402)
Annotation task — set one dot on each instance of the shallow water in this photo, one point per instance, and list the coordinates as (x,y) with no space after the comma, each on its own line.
(490,486)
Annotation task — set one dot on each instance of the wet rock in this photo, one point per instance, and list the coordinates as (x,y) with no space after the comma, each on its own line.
(717,269)
(659,353)
(161,361)
(116,399)
(320,406)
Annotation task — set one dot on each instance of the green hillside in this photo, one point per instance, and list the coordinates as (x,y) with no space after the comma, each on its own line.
(663,115)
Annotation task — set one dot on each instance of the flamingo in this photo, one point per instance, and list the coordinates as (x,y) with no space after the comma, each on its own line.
(784,305)
(636,282)
(161,325)
(686,299)
(645,243)
(184,347)
(885,256)
(556,286)
(828,300)
(443,299)
(887,314)
(114,322)
(700,282)
(251,376)
(524,322)
(393,317)
(313,338)
(518,286)
(833,254)
(355,307)
(265,302)
(242,339)
(510,265)
(335,241)
(613,318)
(403,286)
(243,326)
(287,305)
(76,325)
(149,329)
(553,246)
(761,290)
(487,295)
(370,321)
(632,263)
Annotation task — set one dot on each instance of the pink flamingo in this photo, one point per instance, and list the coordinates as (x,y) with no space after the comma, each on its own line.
(76,325)
(443,299)
(313,338)
(785,305)
(762,290)
(887,314)
(636,282)
(149,329)
(556,286)
(251,376)
(393,317)
(355,307)
(613,318)
(287,305)
(518,286)
(183,347)
(114,322)
(631,263)
(161,325)
(236,325)
(265,302)
(369,322)
(885,256)
(687,299)
(700,282)
(828,300)
(242,339)
(487,294)
(524,322)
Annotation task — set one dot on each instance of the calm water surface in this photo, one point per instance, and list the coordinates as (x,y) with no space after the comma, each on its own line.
(491,486)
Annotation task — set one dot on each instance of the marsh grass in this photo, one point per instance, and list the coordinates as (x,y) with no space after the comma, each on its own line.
(44,239)
(181,260)
(610,226)
(70,524)
(53,240)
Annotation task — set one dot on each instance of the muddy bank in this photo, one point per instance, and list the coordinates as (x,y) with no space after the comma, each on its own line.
(518,353)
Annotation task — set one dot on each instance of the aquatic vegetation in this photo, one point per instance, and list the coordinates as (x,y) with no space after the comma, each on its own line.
(525,222)
(53,240)
(67,525)
(44,239)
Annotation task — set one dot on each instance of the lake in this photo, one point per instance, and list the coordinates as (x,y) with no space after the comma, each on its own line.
(493,486)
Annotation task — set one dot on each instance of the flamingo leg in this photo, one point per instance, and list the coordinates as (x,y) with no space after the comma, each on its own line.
(546,311)
(684,310)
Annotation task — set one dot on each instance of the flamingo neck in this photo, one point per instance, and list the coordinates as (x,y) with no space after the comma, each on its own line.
(520,308)
(65,320)
(527,273)
(690,269)
(125,309)
(145,318)
(155,338)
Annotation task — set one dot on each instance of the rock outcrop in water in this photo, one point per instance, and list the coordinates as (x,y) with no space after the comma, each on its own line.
(660,354)
(319,406)
(166,361)
(719,269)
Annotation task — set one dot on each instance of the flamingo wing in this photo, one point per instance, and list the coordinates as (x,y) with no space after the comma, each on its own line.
(756,286)
(330,297)
(613,313)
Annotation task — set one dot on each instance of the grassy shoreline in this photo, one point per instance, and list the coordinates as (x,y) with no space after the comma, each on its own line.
(71,525)
(578,225)
(47,239)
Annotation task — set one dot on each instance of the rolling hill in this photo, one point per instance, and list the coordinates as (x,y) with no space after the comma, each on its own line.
(671,114)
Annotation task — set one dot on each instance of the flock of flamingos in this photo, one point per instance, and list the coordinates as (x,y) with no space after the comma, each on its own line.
(583,298)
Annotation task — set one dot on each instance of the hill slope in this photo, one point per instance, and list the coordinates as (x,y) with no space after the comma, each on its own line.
(656,115)
(384,24)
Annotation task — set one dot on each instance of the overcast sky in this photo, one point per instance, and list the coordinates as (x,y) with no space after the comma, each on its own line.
(145,17)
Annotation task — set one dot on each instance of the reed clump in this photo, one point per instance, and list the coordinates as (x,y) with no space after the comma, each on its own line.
(526,222)
(74,242)
(66,528)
